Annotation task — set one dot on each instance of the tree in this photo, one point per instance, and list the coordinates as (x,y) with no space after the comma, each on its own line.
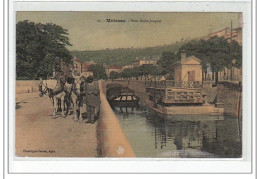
(128,73)
(142,71)
(146,70)
(114,75)
(216,52)
(236,53)
(198,49)
(37,45)
(167,60)
(99,71)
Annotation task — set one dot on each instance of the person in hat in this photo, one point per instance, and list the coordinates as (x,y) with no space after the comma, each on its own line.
(92,98)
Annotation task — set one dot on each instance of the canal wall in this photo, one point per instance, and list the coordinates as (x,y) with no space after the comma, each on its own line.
(112,141)
(26,86)
(231,96)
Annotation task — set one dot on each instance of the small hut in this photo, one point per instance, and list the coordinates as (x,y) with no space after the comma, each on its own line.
(188,69)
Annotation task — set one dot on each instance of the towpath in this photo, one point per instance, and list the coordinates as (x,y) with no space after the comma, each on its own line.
(38,135)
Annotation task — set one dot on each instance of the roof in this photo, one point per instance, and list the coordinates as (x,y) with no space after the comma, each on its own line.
(226,35)
(188,59)
(115,67)
(76,60)
(218,32)
(234,33)
(151,59)
(86,65)
(148,59)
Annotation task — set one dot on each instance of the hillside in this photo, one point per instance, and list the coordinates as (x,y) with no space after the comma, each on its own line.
(125,56)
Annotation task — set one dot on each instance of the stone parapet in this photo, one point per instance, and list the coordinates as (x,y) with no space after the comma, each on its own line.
(112,141)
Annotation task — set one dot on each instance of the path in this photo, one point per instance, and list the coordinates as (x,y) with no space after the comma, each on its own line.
(38,135)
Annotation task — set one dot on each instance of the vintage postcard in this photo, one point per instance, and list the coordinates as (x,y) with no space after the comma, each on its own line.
(136,84)
(170,84)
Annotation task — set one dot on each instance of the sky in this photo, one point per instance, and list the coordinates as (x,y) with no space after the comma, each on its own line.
(92,30)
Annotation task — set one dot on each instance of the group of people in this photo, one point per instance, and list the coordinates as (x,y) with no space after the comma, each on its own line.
(87,92)
(72,92)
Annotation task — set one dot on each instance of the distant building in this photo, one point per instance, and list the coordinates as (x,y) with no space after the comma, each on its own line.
(60,67)
(220,33)
(188,69)
(114,68)
(81,67)
(85,67)
(128,66)
(236,34)
(76,65)
(146,61)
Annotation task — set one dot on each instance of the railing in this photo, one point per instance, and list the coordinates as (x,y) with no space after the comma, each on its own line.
(173,84)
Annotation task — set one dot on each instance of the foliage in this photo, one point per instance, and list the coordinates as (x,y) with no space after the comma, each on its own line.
(198,49)
(129,72)
(141,71)
(236,53)
(216,52)
(36,47)
(99,71)
(125,56)
(167,61)
(114,75)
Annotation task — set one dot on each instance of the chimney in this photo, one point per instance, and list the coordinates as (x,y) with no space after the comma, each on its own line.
(183,55)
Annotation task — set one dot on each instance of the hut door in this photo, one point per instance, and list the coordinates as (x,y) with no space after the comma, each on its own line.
(191,75)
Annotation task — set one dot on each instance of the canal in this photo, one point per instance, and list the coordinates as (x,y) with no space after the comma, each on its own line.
(154,136)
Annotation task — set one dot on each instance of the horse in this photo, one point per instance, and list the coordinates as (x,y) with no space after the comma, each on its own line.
(73,97)
(57,99)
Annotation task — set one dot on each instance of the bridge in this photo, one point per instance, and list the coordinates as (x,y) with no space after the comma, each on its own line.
(38,135)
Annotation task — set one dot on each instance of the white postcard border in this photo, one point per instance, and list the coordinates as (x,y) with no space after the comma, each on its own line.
(139,165)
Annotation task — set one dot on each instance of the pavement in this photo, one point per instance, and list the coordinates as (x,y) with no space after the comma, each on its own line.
(38,135)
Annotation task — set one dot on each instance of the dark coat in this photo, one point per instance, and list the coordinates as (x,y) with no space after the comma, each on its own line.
(92,94)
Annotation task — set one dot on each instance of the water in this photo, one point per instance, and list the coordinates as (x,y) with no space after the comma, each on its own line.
(182,136)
